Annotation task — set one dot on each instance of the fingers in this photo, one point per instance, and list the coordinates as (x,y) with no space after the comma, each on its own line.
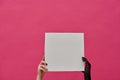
(83,71)
(43,68)
(43,63)
(43,58)
(84,59)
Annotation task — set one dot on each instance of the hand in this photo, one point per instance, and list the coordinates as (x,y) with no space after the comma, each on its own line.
(87,63)
(87,74)
(42,69)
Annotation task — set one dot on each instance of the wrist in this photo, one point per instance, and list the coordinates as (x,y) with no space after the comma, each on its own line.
(39,77)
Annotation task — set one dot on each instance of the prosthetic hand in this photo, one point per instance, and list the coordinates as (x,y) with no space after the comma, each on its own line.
(87,75)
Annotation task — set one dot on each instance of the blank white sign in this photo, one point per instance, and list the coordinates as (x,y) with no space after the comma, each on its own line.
(64,51)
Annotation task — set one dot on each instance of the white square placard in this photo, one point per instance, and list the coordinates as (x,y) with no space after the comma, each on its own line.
(64,51)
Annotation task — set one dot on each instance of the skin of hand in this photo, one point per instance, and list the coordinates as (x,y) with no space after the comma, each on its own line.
(42,69)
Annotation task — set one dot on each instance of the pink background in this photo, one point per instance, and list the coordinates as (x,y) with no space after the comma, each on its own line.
(24,22)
